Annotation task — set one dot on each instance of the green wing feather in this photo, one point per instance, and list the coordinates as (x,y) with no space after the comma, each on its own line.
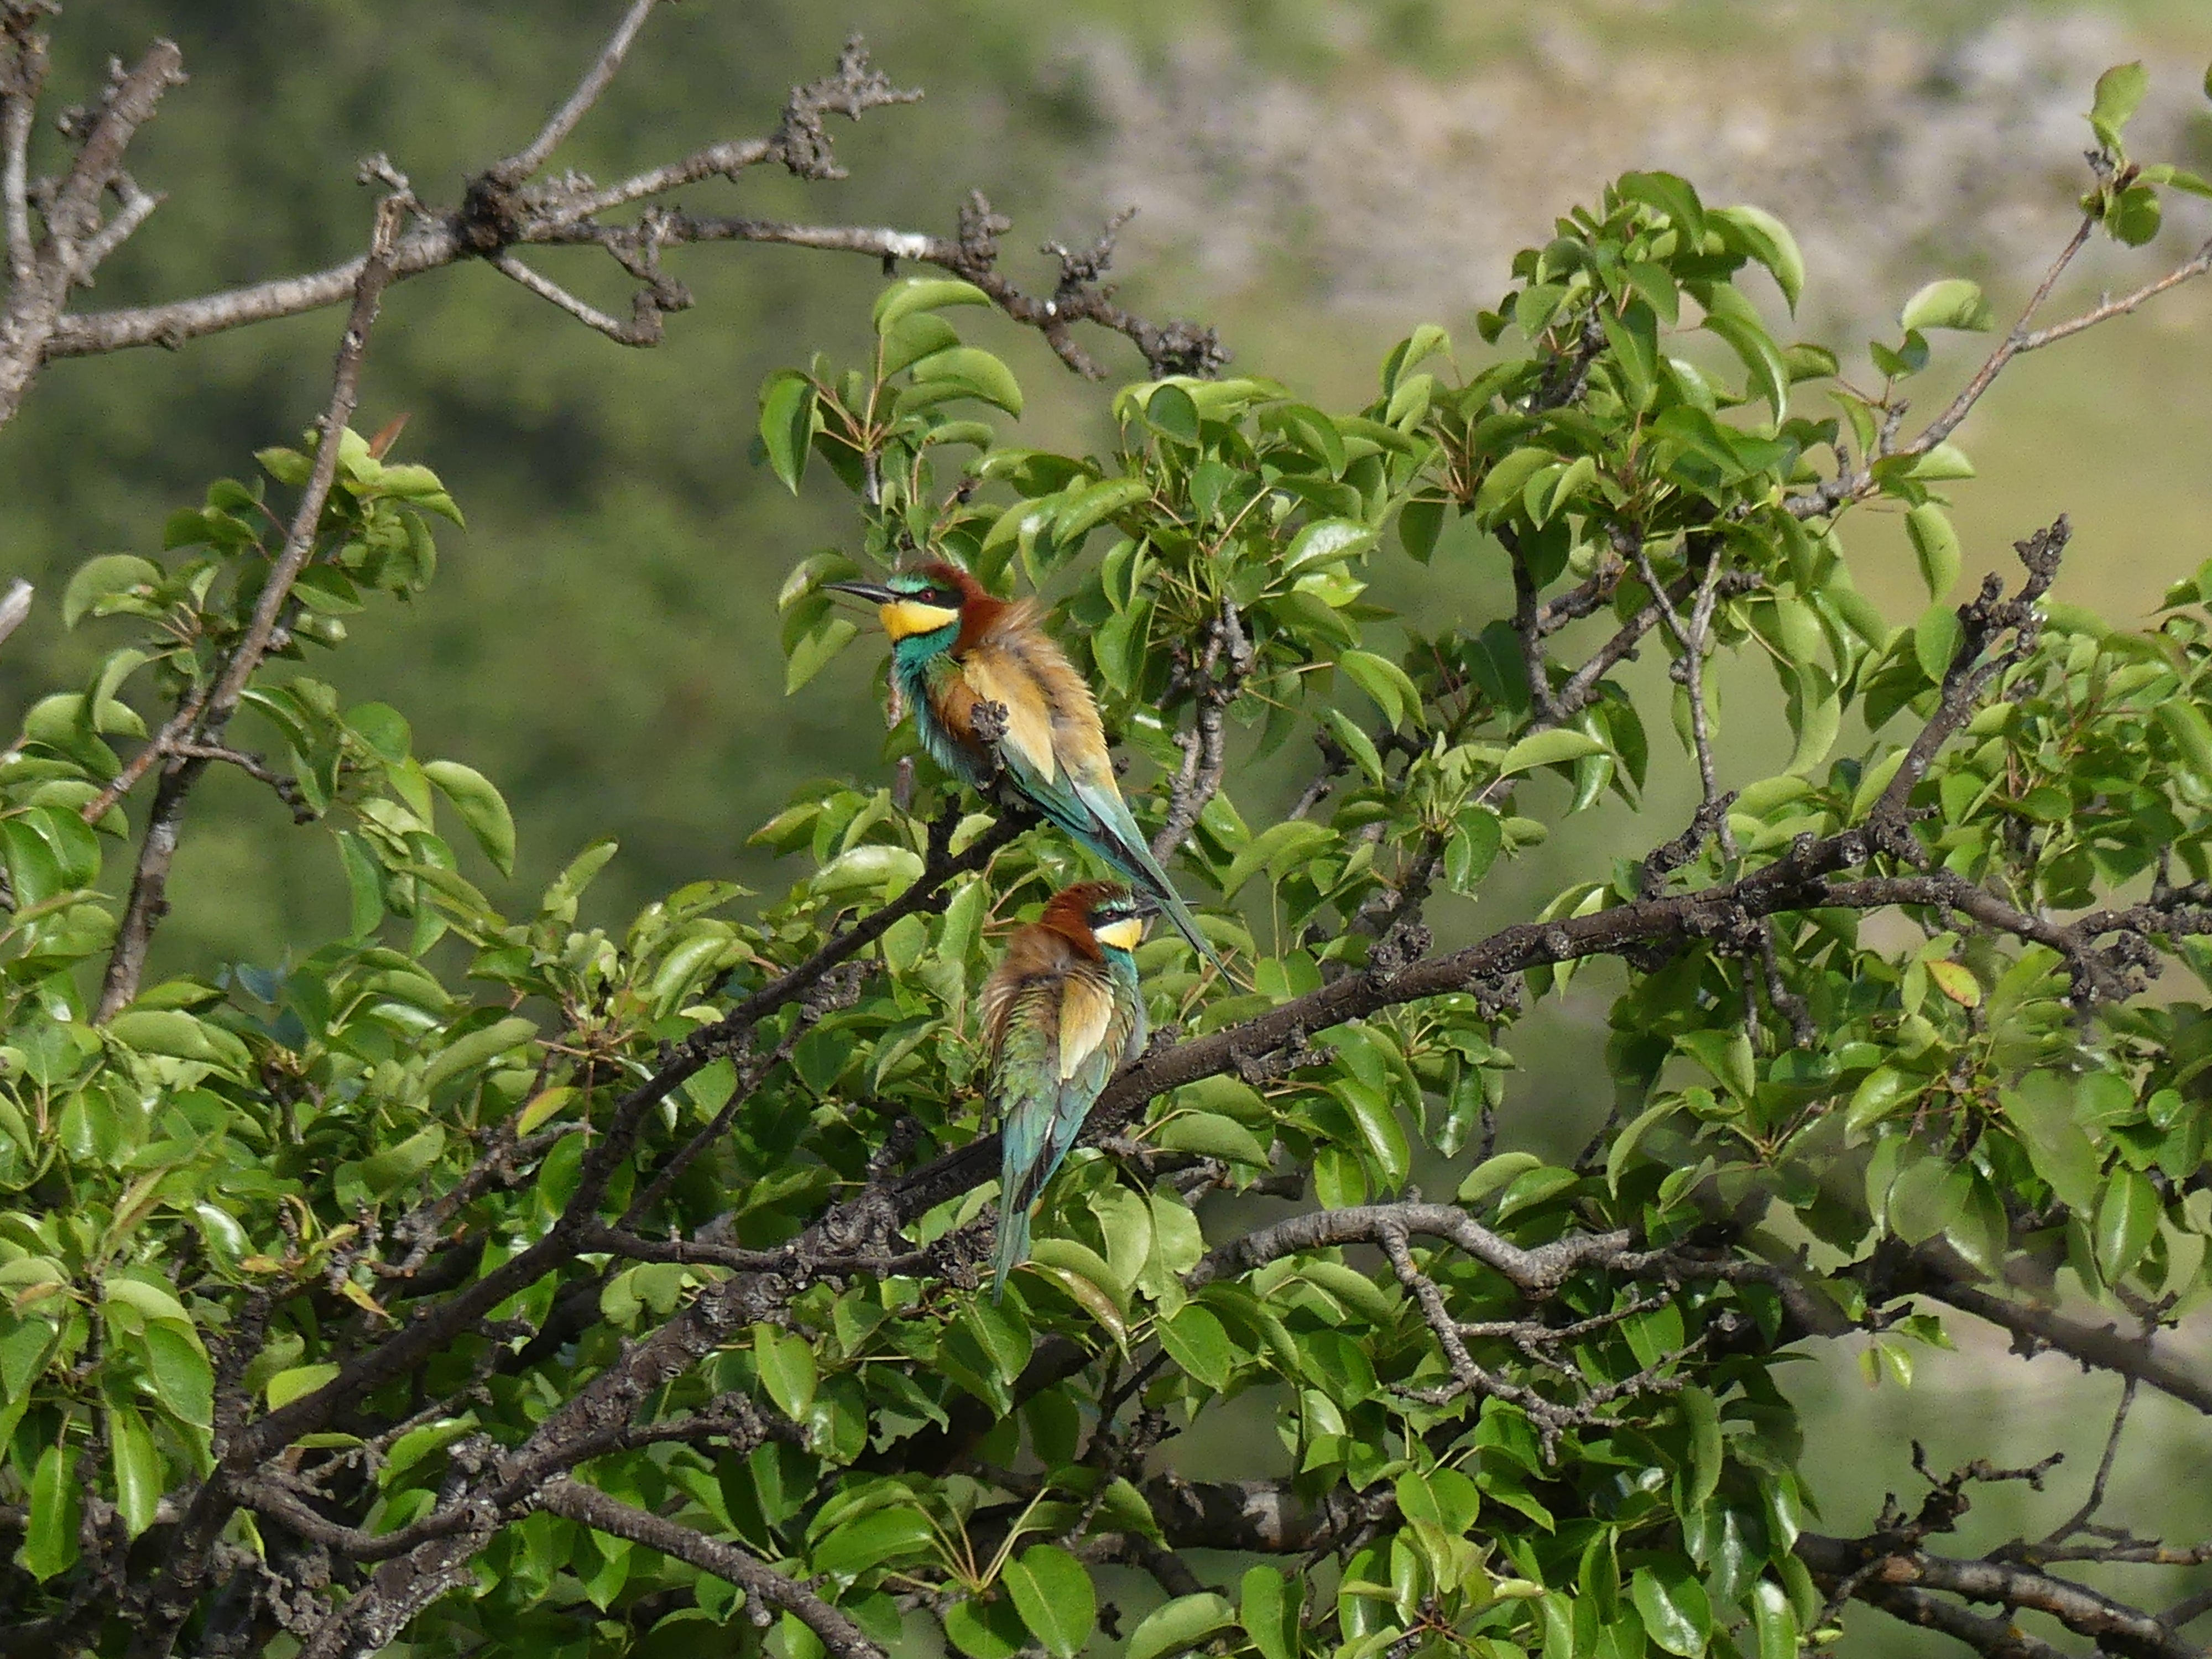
(1043,1100)
(1096,815)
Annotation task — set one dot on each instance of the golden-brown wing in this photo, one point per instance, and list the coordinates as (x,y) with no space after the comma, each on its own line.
(997,675)
(1086,1015)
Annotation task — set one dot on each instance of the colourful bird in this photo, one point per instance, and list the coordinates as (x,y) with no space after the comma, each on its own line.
(1060,1011)
(994,697)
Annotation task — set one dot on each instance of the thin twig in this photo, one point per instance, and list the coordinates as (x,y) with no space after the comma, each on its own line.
(143,911)
(563,122)
(582,310)
(2081,1518)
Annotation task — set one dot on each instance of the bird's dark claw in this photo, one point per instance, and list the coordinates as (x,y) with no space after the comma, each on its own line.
(987,720)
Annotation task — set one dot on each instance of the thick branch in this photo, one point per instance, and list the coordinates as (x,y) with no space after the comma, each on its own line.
(2104,1347)
(2115,1627)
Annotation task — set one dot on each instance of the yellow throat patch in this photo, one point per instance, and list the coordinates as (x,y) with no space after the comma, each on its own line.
(902,618)
(1121,935)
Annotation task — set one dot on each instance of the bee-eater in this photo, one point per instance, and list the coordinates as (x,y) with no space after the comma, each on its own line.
(1060,1011)
(955,651)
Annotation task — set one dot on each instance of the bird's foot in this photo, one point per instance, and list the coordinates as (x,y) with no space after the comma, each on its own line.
(988,721)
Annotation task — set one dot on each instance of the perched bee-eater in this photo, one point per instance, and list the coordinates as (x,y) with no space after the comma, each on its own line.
(1060,1012)
(956,650)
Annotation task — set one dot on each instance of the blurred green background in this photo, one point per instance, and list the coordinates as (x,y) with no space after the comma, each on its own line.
(1313,177)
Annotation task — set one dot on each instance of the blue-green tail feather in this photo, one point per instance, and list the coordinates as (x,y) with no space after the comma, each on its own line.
(1013,1247)
(1100,821)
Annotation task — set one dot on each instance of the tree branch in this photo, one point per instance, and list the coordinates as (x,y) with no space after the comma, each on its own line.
(15,605)
(147,903)
(594,1509)
(22,76)
(563,122)
(497,215)
(2115,1627)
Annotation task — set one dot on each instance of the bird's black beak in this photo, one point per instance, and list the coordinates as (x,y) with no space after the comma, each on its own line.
(873,593)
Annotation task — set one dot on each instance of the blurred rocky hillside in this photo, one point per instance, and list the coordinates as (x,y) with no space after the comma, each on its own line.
(1893,139)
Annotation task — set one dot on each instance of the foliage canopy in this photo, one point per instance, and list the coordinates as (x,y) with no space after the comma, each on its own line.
(494,1278)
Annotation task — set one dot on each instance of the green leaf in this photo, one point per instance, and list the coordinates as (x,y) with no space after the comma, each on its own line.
(1703,1415)
(915,293)
(1774,1620)
(1093,504)
(1380,1137)
(2185,723)
(560,896)
(140,1476)
(1727,1054)
(364,884)
(815,650)
(785,1362)
(2042,1110)
(1420,521)
(1936,638)
(105,577)
(1195,1340)
(1879,1093)
(1553,748)
(968,371)
(1269,1614)
(49,1545)
(1387,685)
(1769,375)
(1179,1625)
(874,1540)
(173,1031)
(1211,1135)
(786,424)
(1354,742)
(2128,1212)
(1489,1176)
(150,1301)
(1501,489)
(1170,411)
(1676,1615)
(393,1167)
(297,1382)
(913,339)
(1325,542)
(1769,241)
(1953,302)
(182,1379)
(986,1630)
(1055,1595)
(1628,1139)
(2120,91)
(481,806)
(1472,848)
(1936,545)
(1944,463)
(477,1048)
(1282,841)
(1673,196)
